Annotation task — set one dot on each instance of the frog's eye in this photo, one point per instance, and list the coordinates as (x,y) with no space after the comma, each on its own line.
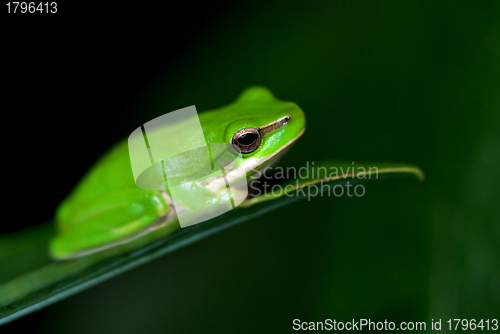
(247,140)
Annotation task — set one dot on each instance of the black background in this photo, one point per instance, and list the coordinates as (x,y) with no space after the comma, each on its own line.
(70,82)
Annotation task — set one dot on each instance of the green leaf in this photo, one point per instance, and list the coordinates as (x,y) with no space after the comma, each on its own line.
(30,280)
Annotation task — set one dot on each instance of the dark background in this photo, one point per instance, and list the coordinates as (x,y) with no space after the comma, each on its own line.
(409,81)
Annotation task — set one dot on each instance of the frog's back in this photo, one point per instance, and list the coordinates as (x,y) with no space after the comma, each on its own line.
(110,174)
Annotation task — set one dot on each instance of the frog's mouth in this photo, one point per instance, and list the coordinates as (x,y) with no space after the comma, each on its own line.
(250,165)
(271,160)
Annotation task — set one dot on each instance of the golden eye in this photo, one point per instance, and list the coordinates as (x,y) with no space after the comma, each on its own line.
(247,140)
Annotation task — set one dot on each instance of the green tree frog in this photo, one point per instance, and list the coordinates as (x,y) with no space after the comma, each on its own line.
(107,208)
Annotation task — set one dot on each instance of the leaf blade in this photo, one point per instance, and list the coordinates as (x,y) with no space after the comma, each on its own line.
(55,281)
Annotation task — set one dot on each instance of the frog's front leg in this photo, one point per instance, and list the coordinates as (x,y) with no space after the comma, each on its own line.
(112,219)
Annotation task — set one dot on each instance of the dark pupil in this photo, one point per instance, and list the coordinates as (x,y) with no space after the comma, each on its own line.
(247,138)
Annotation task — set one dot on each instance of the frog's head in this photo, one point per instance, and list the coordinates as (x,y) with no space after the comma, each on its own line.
(259,125)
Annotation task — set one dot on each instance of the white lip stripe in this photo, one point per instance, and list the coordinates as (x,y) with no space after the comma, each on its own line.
(249,165)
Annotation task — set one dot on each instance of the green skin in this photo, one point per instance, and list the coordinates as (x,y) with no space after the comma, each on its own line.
(107,208)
